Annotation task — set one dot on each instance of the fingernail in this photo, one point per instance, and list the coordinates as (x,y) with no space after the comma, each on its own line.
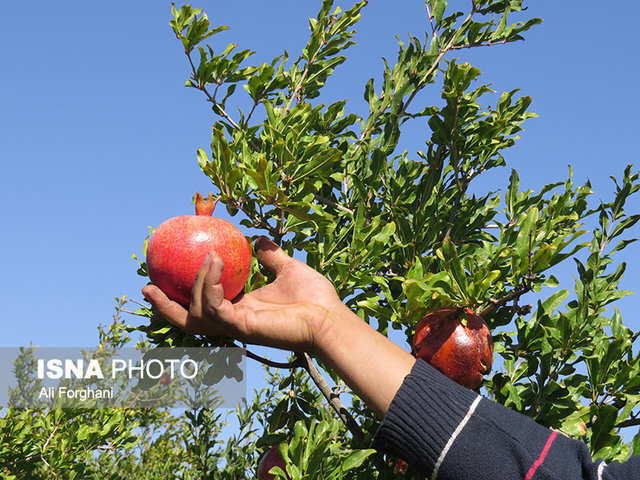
(260,239)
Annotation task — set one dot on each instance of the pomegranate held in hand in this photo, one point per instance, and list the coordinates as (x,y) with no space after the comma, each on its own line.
(457,342)
(179,246)
(270,459)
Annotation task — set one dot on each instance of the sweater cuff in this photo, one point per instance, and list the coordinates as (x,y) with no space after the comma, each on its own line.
(423,416)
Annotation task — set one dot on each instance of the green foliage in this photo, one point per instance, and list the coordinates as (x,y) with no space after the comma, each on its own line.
(63,443)
(314,453)
(570,366)
(59,443)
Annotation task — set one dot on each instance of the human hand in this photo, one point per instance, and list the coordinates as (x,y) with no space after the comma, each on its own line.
(288,313)
(298,311)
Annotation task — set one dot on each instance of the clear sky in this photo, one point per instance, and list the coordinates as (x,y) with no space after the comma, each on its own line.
(98,136)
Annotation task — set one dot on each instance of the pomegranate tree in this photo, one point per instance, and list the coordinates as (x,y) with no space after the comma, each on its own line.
(179,246)
(457,342)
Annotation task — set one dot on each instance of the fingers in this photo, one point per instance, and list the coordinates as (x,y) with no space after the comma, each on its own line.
(211,291)
(172,311)
(271,255)
(207,295)
(209,275)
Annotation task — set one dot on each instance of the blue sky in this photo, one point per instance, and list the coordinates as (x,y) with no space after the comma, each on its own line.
(98,136)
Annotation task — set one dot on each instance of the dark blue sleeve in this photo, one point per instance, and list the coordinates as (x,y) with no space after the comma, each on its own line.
(450,433)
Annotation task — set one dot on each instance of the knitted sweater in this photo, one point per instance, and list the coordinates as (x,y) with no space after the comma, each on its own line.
(450,433)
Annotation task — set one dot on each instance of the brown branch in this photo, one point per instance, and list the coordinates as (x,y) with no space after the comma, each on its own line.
(421,83)
(430,15)
(255,104)
(515,294)
(258,222)
(443,52)
(295,364)
(219,110)
(312,60)
(473,45)
(320,199)
(629,423)
(332,398)
(298,87)
(211,98)
(46,444)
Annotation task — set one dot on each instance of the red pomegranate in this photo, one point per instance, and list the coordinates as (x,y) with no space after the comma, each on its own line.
(270,459)
(399,466)
(179,246)
(457,342)
(165,379)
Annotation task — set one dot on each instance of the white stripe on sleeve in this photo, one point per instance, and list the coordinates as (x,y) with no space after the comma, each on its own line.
(453,437)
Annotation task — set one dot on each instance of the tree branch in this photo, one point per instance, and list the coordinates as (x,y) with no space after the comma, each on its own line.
(332,398)
(628,423)
(515,294)
(257,221)
(305,361)
(312,60)
(295,364)
(320,199)
(443,52)
(219,110)
(298,87)
(421,84)
(473,45)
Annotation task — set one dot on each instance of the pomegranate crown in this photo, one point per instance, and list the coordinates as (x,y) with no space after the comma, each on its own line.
(206,206)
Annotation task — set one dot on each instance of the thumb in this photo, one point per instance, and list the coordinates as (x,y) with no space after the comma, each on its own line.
(271,255)
(170,310)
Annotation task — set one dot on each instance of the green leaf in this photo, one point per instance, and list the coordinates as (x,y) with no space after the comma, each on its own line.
(356,458)
(554,301)
(385,233)
(438,8)
(526,240)
(511,197)
(454,269)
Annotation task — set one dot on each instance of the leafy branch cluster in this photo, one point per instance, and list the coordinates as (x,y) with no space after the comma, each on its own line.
(572,366)
(401,233)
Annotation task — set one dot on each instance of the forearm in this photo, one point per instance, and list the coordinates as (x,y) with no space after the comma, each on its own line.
(435,424)
(371,364)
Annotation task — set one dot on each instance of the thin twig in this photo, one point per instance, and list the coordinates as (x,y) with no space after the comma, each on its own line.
(135,313)
(260,222)
(515,294)
(319,198)
(434,66)
(46,444)
(218,108)
(295,364)
(421,83)
(298,87)
(312,60)
(433,27)
(473,45)
(628,423)
(44,447)
(255,104)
